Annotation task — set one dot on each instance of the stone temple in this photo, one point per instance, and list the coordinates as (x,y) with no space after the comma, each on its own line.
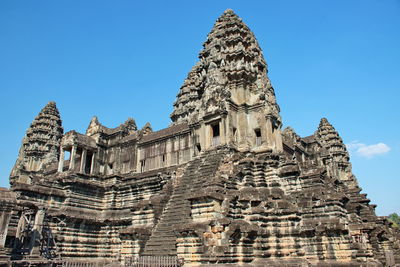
(223,185)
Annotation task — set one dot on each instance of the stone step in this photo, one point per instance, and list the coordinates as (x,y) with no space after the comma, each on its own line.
(177,211)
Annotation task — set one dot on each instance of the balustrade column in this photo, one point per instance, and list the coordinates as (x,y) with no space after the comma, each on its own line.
(92,163)
(5,216)
(269,138)
(83,161)
(72,158)
(61,161)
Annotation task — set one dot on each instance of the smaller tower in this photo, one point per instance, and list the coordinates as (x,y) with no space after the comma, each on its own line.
(41,144)
(336,157)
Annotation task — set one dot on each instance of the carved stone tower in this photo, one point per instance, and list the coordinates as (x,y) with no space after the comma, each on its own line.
(335,156)
(41,144)
(227,96)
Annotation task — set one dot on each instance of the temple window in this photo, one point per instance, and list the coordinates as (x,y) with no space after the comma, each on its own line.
(67,155)
(258,137)
(198,146)
(88,165)
(215,134)
(142,165)
(163,158)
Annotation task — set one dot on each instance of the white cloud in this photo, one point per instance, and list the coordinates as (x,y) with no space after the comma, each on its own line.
(367,151)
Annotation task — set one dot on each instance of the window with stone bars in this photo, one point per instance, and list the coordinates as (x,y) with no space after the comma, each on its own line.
(142,165)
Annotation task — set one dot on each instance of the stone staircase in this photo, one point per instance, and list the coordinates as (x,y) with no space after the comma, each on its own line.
(177,211)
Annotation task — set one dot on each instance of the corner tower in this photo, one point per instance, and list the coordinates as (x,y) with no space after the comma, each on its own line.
(227,96)
(41,144)
(335,156)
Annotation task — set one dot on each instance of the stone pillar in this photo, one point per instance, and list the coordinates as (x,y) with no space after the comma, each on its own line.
(243,130)
(228,130)
(273,134)
(72,158)
(61,161)
(4,220)
(139,161)
(167,153)
(20,228)
(268,133)
(206,130)
(83,161)
(278,139)
(37,229)
(92,163)
(118,161)
(222,137)
(7,204)
(191,145)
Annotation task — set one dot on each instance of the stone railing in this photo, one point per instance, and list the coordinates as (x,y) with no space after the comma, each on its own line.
(77,264)
(149,261)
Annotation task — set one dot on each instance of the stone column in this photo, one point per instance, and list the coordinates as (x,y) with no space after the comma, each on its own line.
(20,228)
(228,130)
(83,161)
(37,229)
(7,204)
(222,132)
(72,158)
(61,161)
(242,129)
(180,150)
(168,153)
(206,135)
(191,145)
(139,161)
(268,133)
(92,163)
(273,137)
(278,139)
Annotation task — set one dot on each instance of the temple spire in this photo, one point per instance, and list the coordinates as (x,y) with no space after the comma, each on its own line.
(231,61)
(41,144)
(336,156)
(330,139)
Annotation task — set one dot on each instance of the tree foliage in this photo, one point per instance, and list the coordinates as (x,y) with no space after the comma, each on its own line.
(395,219)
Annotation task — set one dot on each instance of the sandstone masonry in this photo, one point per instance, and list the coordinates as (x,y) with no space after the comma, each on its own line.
(224,184)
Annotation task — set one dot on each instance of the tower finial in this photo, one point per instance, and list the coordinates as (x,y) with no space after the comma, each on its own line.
(324,122)
(229,11)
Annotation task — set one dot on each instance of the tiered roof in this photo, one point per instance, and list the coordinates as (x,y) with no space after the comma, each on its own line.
(230,57)
(330,139)
(44,134)
(41,144)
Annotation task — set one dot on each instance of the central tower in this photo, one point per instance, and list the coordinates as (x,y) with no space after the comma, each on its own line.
(227,96)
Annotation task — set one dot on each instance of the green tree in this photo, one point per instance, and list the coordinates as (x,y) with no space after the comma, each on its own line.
(395,219)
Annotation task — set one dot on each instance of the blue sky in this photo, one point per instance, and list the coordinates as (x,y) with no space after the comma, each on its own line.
(120,59)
